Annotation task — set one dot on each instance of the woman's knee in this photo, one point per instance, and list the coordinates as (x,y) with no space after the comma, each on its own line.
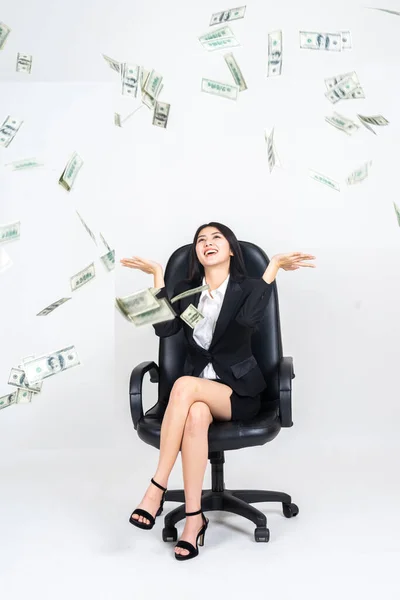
(199,418)
(183,389)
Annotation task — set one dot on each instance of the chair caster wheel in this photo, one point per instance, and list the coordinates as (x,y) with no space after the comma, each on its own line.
(169,534)
(261,534)
(290,510)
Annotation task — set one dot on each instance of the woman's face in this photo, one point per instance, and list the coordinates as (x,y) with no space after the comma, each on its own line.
(210,238)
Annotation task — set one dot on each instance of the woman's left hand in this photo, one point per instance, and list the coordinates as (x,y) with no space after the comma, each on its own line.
(293,260)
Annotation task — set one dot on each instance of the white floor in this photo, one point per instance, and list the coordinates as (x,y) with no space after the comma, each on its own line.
(65,531)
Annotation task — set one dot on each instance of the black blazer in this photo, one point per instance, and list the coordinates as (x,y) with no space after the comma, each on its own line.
(230,350)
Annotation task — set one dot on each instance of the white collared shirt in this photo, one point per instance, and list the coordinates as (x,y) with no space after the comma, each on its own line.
(203,332)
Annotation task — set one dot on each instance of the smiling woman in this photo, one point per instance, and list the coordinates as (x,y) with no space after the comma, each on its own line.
(221,378)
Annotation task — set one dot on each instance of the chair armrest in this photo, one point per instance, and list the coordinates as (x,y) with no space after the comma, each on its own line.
(135,387)
(286,374)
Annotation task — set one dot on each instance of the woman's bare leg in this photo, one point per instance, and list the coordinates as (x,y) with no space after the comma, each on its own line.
(194,454)
(185,391)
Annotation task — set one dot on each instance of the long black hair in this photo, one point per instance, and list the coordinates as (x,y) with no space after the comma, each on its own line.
(237,267)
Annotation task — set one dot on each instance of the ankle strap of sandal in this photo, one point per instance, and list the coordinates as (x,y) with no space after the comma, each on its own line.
(158,485)
(197,512)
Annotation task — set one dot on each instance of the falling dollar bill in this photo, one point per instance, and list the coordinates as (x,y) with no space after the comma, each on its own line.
(386,10)
(228,15)
(70,172)
(23,396)
(190,292)
(108,260)
(129,79)
(84,276)
(342,90)
(117,120)
(219,38)
(315,40)
(18,377)
(153,83)
(5,260)
(274,54)
(226,90)
(377,120)
(104,242)
(4,33)
(236,72)
(222,32)
(45,366)
(324,179)
(10,232)
(46,311)
(342,123)
(270,149)
(8,399)
(113,64)
(90,232)
(9,130)
(191,316)
(359,174)
(357,92)
(397,211)
(24,63)
(161,114)
(23,164)
(164,312)
(138,302)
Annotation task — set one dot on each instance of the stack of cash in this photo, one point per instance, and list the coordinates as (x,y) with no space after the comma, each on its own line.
(218,38)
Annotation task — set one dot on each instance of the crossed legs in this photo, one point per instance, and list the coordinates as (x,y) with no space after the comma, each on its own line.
(193,404)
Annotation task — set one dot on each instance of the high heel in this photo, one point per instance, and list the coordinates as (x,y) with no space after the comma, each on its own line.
(143,513)
(200,539)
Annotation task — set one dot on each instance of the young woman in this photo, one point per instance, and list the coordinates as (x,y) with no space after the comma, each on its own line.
(221,380)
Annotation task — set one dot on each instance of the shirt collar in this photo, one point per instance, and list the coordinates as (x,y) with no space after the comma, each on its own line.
(219,290)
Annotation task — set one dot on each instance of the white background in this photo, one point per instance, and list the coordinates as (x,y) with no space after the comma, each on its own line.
(72,465)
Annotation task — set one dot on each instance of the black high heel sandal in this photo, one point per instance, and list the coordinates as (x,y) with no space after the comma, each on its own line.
(200,538)
(143,513)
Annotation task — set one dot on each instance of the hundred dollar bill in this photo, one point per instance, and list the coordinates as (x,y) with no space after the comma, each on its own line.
(342,90)
(104,242)
(24,63)
(164,312)
(84,276)
(23,396)
(129,79)
(113,64)
(391,12)
(222,32)
(161,114)
(314,40)
(358,92)
(228,15)
(5,260)
(189,292)
(90,232)
(25,163)
(342,123)
(46,311)
(324,179)
(153,83)
(377,120)
(274,54)
(138,302)
(18,377)
(4,32)
(70,172)
(397,211)
(359,174)
(50,364)
(108,260)
(7,400)
(191,316)
(270,149)
(10,232)
(228,42)
(236,72)
(225,90)
(9,130)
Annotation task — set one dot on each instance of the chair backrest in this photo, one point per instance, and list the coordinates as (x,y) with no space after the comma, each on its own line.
(266,340)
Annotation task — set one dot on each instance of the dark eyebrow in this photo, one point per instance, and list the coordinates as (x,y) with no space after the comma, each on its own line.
(204,235)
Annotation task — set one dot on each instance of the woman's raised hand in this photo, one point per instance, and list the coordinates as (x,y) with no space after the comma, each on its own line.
(293,260)
(143,264)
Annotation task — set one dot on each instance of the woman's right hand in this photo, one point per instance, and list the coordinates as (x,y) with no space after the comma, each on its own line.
(143,264)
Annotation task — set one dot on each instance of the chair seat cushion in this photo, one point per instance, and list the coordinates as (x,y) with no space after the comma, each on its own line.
(222,435)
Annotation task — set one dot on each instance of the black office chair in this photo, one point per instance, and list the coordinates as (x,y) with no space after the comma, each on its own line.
(276,408)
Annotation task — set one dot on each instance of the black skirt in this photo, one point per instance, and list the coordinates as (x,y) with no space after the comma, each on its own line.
(243,407)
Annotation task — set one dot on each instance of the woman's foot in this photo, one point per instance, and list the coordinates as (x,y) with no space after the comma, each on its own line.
(192,527)
(151,502)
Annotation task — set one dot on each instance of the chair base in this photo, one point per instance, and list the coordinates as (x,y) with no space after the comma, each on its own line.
(234,501)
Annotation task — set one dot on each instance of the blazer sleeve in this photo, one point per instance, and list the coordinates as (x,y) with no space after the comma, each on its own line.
(253,309)
(167,328)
